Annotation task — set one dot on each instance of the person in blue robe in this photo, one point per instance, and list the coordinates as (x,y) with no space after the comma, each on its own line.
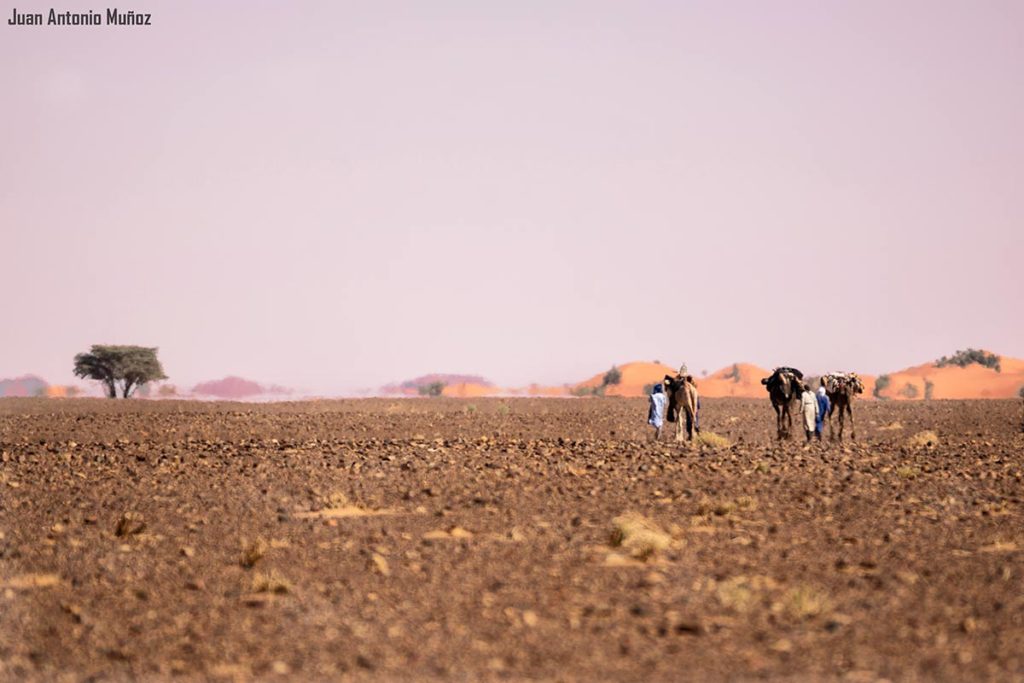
(823,407)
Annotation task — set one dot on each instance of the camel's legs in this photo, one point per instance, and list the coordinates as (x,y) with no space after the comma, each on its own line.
(679,425)
(778,421)
(842,421)
(853,428)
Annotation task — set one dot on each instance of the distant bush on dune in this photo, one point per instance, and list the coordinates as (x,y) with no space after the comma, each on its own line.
(734,374)
(432,389)
(881,384)
(964,358)
(613,376)
(412,387)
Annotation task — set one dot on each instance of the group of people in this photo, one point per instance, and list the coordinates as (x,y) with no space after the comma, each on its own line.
(677,396)
(814,407)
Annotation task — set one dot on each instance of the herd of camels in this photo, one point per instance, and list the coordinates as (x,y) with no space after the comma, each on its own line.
(784,387)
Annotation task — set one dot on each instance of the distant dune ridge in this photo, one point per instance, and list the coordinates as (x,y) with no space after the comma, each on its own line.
(951,381)
(26,385)
(232,387)
(471,385)
(743,380)
(963,376)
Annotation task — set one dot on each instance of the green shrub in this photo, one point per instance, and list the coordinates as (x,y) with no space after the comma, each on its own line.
(964,358)
(432,389)
(881,384)
(929,389)
(613,376)
(909,390)
(734,374)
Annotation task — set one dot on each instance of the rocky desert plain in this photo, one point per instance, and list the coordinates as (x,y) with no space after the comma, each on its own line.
(507,539)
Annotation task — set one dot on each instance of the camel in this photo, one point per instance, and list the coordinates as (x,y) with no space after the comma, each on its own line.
(784,385)
(682,404)
(841,388)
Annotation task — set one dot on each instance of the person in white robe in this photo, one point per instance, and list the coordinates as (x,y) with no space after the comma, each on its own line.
(809,410)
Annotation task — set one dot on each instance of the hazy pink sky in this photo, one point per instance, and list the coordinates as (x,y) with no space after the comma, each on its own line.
(334,195)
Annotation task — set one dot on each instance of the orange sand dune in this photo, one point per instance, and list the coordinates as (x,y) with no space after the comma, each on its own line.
(635,376)
(475,390)
(742,380)
(973,381)
(469,390)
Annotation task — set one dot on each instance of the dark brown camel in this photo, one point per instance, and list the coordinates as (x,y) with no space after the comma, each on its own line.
(784,385)
(841,388)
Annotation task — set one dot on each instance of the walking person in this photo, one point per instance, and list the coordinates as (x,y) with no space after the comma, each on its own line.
(656,412)
(823,407)
(809,410)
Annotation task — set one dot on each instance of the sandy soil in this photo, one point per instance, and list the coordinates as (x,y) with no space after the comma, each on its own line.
(468,540)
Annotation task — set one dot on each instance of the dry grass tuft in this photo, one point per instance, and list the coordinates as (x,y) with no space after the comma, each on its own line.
(891,427)
(129,524)
(337,505)
(252,553)
(906,472)
(27,581)
(743,593)
(925,439)
(639,536)
(724,508)
(337,499)
(803,602)
(270,582)
(712,440)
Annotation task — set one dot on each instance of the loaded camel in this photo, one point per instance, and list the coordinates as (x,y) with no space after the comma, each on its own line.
(841,388)
(784,385)
(682,404)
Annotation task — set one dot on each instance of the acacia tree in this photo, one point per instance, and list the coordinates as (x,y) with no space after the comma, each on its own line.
(124,367)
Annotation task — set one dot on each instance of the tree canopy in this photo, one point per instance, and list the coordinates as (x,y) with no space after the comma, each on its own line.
(124,367)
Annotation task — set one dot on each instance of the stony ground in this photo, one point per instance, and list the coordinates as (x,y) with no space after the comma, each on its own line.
(506,539)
